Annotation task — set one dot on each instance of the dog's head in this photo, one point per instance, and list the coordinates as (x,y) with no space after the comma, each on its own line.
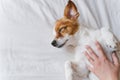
(66,27)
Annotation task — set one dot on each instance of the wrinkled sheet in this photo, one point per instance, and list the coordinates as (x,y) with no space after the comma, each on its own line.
(26,33)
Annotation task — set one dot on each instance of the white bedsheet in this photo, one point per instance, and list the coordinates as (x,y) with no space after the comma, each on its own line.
(26,34)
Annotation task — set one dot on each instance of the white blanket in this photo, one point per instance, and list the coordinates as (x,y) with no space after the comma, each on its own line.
(26,33)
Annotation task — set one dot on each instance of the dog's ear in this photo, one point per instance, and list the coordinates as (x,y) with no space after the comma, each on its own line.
(71,11)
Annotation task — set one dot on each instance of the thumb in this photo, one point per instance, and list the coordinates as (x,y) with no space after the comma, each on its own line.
(115,59)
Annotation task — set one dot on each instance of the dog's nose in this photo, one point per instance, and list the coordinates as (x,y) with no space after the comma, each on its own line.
(54,43)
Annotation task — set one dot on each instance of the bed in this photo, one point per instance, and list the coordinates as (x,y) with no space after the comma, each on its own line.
(26,34)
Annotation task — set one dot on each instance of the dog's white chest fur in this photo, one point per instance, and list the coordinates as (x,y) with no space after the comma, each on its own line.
(77,69)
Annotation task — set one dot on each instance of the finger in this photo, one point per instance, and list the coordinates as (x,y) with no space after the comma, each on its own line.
(100,50)
(92,53)
(115,59)
(90,68)
(89,57)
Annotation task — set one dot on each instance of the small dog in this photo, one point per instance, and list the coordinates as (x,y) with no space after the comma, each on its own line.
(68,31)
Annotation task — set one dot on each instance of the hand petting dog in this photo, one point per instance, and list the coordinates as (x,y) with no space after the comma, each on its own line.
(102,67)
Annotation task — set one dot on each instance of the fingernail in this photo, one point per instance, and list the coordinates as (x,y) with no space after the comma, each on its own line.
(96,42)
(87,66)
(114,54)
(85,52)
(87,46)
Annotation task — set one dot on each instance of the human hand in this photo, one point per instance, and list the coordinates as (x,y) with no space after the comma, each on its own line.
(103,68)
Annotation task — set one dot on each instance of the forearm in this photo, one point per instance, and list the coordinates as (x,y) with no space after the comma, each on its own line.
(111,78)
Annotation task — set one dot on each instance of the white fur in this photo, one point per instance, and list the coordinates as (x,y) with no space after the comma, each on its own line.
(88,37)
(76,69)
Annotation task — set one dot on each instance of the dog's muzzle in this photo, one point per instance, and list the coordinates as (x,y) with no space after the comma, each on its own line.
(55,44)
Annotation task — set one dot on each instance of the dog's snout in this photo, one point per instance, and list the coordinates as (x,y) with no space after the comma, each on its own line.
(54,43)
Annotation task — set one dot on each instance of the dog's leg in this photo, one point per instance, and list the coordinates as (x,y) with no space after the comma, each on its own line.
(111,42)
(68,70)
(72,72)
(109,39)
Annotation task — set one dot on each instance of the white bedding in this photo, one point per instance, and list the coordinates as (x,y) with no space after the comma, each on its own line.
(26,34)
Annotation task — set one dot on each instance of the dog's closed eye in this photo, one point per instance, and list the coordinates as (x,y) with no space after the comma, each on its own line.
(63,29)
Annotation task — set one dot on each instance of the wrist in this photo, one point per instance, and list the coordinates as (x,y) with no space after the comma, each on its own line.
(115,78)
(111,78)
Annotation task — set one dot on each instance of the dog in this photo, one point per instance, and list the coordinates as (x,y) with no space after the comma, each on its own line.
(68,31)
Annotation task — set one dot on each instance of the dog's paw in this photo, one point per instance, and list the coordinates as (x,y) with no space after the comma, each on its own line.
(68,70)
(68,67)
(111,43)
(109,38)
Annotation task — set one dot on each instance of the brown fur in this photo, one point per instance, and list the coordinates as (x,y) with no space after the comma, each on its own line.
(69,23)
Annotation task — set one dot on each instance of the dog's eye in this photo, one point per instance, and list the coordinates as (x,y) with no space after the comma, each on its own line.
(62,29)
